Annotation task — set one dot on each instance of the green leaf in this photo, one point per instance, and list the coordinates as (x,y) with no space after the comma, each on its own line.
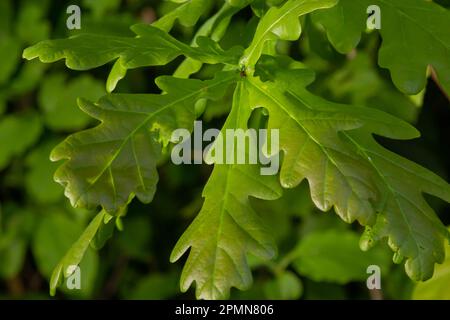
(128,141)
(414,36)
(312,146)
(13,257)
(73,257)
(228,226)
(6,15)
(150,47)
(30,75)
(57,99)
(335,256)
(286,286)
(187,13)
(359,82)
(9,55)
(328,145)
(281,23)
(39,177)
(31,25)
(414,230)
(24,128)
(331,145)
(17,224)
(437,287)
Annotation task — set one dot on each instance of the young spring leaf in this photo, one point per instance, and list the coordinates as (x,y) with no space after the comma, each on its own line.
(57,99)
(39,175)
(150,47)
(414,230)
(229,227)
(75,254)
(214,28)
(281,23)
(25,128)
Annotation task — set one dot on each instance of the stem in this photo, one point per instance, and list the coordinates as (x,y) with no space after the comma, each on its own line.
(376,294)
(283,264)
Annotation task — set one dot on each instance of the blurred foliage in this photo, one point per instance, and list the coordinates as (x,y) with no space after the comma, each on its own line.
(318,258)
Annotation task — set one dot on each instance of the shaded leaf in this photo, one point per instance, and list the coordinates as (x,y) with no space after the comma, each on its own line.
(437,287)
(286,286)
(335,256)
(415,35)
(24,128)
(54,236)
(57,99)
(39,178)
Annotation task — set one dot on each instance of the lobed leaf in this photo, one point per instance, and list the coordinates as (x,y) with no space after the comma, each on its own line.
(228,226)
(109,164)
(332,147)
(414,230)
(150,47)
(415,35)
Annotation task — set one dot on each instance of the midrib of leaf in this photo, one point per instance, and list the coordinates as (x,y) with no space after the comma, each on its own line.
(219,230)
(226,193)
(140,126)
(207,28)
(113,184)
